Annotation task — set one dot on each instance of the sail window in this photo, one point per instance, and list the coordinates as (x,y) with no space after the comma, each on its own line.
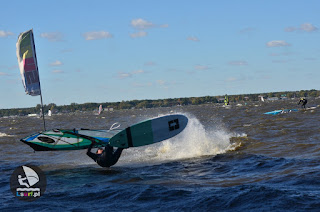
(46,139)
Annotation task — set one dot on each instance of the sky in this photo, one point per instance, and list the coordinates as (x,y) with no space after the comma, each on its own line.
(110,51)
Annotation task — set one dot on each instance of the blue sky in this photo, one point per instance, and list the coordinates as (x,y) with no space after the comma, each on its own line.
(107,51)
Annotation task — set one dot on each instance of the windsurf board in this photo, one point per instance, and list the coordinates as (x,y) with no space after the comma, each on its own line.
(150,131)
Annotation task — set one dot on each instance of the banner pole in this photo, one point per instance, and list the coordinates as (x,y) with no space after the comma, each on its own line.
(44,122)
(34,47)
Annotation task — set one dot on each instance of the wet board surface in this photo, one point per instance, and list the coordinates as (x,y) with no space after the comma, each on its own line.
(150,131)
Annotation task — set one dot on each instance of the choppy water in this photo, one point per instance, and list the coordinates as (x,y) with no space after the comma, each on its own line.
(226,159)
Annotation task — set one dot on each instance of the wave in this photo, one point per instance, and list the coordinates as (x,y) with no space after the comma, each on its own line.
(5,135)
(194,141)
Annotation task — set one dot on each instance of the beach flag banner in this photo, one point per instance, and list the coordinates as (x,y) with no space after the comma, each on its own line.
(27,60)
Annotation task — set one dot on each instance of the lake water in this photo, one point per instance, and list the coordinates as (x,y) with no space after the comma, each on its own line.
(227,159)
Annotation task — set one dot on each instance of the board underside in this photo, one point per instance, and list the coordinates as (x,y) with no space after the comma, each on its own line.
(150,131)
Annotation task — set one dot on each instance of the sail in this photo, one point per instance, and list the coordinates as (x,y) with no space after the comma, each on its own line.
(100,109)
(68,139)
(31,175)
(226,100)
(27,60)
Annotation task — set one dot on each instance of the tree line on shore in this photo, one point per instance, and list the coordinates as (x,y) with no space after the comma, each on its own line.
(156,103)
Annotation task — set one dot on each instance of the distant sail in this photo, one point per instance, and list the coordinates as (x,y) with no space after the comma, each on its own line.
(226,100)
(27,60)
(100,109)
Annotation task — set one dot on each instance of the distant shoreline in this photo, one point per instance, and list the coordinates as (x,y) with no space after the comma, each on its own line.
(138,104)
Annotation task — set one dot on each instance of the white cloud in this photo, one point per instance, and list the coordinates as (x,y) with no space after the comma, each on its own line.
(57,71)
(201,67)
(141,24)
(277,43)
(238,63)
(138,34)
(97,35)
(52,36)
(56,63)
(308,27)
(138,72)
(124,75)
(4,34)
(192,38)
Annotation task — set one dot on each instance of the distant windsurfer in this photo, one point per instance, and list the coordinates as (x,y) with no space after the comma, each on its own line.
(105,157)
(226,100)
(304,101)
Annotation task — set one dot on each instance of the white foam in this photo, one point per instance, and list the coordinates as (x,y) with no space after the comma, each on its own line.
(5,135)
(194,141)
